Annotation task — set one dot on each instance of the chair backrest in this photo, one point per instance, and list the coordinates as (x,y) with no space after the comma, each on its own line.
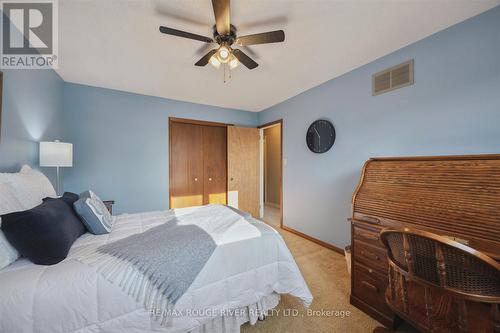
(441,262)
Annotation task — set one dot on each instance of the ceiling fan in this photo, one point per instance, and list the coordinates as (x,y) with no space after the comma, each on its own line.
(225,36)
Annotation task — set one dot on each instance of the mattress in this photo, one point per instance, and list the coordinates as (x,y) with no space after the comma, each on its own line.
(249,267)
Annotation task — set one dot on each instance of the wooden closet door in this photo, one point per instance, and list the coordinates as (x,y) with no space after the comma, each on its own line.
(214,165)
(243,169)
(186,165)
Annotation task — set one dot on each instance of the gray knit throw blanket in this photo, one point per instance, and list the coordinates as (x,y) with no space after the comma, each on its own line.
(157,266)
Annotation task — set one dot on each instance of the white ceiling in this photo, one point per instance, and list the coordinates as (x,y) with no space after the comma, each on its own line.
(116,44)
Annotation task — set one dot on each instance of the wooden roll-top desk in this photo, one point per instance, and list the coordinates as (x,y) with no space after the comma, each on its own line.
(453,196)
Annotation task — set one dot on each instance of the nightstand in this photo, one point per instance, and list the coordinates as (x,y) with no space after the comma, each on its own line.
(109,205)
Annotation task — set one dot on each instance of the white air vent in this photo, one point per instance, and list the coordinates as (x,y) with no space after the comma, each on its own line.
(393,78)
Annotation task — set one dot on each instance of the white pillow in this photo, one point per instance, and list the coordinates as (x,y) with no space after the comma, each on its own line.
(29,186)
(8,204)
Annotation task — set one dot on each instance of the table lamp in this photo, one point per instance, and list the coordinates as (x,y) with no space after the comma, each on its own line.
(56,154)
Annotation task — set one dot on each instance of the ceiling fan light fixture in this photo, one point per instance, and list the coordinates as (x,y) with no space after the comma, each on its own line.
(233,62)
(214,61)
(224,34)
(224,54)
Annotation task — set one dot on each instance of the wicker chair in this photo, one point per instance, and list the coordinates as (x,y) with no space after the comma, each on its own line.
(439,285)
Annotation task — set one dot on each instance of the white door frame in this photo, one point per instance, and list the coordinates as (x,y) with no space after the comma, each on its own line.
(262,167)
(261,172)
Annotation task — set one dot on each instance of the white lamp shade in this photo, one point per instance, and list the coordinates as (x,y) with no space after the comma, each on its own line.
(56,154)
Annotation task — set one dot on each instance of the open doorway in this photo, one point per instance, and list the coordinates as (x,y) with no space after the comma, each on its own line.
(271,173)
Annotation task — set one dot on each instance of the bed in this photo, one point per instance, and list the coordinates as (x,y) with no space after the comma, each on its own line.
(243,278)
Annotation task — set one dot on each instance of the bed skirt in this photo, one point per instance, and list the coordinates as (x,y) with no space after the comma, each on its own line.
(247,314)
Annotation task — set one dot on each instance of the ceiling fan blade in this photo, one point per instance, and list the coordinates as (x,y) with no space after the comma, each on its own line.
(184,34)
(222,16)
(206,58)
(262,38)
(244,59)
(204,48)
(250,52)
(266,22)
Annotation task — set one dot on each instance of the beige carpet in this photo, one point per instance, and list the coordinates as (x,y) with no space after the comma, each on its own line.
(272,215)
(326,275)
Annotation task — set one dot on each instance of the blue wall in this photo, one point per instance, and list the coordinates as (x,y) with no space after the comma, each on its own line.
(121,139)
(453,108)
(121,143)
(32,112)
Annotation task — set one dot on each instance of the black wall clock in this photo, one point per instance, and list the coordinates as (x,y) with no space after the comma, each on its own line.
(320,136)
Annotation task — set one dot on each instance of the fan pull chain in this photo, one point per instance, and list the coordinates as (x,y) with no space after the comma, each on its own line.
(228,76)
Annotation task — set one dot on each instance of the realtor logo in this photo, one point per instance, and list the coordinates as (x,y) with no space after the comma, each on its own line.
(29,34)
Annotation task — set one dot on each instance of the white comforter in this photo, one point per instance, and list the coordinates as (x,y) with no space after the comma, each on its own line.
(250,263)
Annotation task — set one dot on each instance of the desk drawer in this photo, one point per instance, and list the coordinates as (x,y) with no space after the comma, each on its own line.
(369,286)
(371,256)
(368,236)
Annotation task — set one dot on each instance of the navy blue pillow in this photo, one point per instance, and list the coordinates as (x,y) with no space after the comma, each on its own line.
(43,234)
(70,198)
(67,197)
